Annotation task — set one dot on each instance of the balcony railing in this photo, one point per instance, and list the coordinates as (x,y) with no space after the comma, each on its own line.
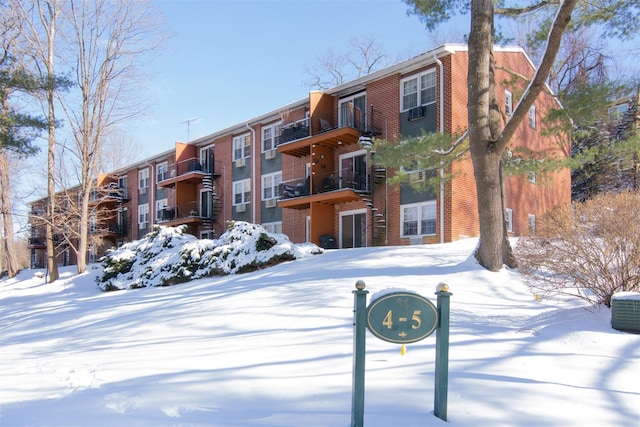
(190,170)
(109,193)
(347,116)
(324,183)
(293,131)
(110,229)
(181,212)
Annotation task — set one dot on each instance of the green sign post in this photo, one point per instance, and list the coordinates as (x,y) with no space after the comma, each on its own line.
(402,318)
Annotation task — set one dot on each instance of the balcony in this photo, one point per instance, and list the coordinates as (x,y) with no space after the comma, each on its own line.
(328,188)
(187,213)
(37,243)
(109,194)
(41,242)
(191,171)
(110,230)
(333,129)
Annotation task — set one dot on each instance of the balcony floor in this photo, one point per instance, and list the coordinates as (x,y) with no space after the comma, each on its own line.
(329,198)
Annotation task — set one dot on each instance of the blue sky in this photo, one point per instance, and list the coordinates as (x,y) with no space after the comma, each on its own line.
(229,61)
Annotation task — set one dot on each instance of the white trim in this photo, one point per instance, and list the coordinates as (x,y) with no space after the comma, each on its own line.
(417,77)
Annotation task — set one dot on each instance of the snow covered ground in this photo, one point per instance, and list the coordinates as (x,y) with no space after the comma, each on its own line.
(274,348)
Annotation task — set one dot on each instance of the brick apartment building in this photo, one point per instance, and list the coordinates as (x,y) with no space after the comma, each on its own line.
(305,169)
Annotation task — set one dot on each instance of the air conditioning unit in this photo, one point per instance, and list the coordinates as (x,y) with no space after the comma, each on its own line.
(142,225)
(241,208)
(240,163)
(270,203)
(142,190)
(416,113)
(270,154)
(416,176)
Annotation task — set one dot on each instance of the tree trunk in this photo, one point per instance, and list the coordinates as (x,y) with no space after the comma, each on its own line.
(10,254)
(52,265)
(484,128)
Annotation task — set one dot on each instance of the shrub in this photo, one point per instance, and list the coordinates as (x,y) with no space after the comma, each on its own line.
(590,250)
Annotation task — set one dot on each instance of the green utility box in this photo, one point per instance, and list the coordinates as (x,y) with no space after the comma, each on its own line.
(625,312)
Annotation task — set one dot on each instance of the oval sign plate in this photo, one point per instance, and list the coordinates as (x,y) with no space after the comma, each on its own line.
(402,317)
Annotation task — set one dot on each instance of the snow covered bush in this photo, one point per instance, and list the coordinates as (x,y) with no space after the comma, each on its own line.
(590,250)
(167,256)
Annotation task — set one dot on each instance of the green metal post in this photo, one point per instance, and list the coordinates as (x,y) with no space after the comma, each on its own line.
(442,353)
(359,348)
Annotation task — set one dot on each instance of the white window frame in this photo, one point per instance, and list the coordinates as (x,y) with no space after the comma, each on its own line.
(160,205)
(419,213)
(424,88)
(271,185)
(532,117)
(241,146)
(273,227)
(143,216)
(143,178)
(243,190)
(162,171)
(270,142)
(508,102)
(509,219)
(532,177)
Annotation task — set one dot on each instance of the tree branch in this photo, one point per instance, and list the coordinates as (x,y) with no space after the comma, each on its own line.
(516,11)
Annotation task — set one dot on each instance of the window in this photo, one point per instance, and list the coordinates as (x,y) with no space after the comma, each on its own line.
(509,219)
(271,186)
(162,171)
(241,192)
(143,216)
(271,136)
(532,117)
(160,207)
(532,177)
(143,179)
(273,227)
(508,103)
(92,224)
(241,147)
(419,219)
(532,223)
(419,90)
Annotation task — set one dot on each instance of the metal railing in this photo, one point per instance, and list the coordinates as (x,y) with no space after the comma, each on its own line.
(183,211)
(324,183)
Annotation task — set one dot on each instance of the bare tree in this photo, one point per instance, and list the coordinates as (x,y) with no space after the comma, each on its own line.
(362,56)
(40,32)
(106,49)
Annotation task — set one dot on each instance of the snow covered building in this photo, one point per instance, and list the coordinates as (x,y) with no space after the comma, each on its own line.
(306,169)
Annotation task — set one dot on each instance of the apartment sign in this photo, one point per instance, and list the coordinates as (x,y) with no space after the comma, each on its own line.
(402,317)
